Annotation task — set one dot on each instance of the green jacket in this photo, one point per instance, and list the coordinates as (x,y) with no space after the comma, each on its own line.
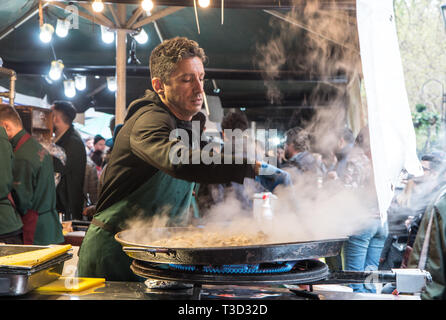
(436,252)
(10,219)
(142,147)
(34,188)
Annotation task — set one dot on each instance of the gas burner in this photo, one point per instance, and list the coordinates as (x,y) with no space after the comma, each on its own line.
(276,267)
(294,272)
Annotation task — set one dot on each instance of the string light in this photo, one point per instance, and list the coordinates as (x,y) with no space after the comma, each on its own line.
(107,35)
(62,27)
(46,33)
(111,83)
(97,6)
(147,5)
(204,3)
(80,82)
(56,70)
(69,88)
(141,37)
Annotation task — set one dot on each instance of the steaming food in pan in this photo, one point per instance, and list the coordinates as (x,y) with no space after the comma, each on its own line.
(203,238)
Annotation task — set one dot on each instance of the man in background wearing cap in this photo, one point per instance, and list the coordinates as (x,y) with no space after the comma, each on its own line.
(97,154)
(70,196)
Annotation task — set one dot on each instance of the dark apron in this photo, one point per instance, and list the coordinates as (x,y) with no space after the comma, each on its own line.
(100,254)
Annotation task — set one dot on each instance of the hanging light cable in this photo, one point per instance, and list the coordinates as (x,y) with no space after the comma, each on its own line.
(46,30)
(196,16)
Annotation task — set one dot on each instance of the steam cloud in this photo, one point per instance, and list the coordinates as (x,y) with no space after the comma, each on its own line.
(327,45)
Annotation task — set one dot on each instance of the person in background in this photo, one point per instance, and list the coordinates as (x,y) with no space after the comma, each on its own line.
(421,191)
(70,190)
(362,251)
(429,246)
(344,146)
(10,222)
(112,126)
(298,155)
(281,160)
(211,194)
(91,189)
(34,190)
(142,179)
(98,153)
(89,145)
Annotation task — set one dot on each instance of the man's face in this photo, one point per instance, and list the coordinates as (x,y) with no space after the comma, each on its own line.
(289,150)
(184,92)
(426,167)
(57,118)
(100,145)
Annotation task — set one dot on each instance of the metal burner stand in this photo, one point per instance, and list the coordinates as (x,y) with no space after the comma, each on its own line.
(308,272)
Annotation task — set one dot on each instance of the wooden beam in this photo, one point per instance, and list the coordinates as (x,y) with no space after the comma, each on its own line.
(157,15)
(121,67)
(98,15)
(29,14)
(112,10)
(84,15)
(134,17)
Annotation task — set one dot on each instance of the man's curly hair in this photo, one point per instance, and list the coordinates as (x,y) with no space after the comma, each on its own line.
(235,120)
(299,138)
(165,56)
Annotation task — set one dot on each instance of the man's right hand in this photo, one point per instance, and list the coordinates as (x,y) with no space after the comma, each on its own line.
(270,176)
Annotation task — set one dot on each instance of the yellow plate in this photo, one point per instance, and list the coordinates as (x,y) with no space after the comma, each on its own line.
(71,284)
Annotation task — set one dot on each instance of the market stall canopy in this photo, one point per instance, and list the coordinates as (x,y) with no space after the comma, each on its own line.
(247,67)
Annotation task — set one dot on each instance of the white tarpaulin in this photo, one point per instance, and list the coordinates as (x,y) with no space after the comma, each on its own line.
(24,100)
(392,136)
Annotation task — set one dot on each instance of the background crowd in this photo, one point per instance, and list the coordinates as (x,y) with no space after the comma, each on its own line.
(41,187)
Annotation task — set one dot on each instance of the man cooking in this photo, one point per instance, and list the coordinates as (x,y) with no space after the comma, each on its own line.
(140,178)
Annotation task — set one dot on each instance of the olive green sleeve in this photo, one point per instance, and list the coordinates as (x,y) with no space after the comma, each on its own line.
(153,139)
(23,185)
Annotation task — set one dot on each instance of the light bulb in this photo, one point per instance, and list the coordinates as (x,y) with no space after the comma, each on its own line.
(46,32)
(107,35)
(80,82)
(62,27)
(204,3)
(69,88)
(97,6)
(141,37)
(147,5)
(56,69)
(111,83)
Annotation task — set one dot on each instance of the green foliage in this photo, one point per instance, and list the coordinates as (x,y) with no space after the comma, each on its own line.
(427,127)
(422,40)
